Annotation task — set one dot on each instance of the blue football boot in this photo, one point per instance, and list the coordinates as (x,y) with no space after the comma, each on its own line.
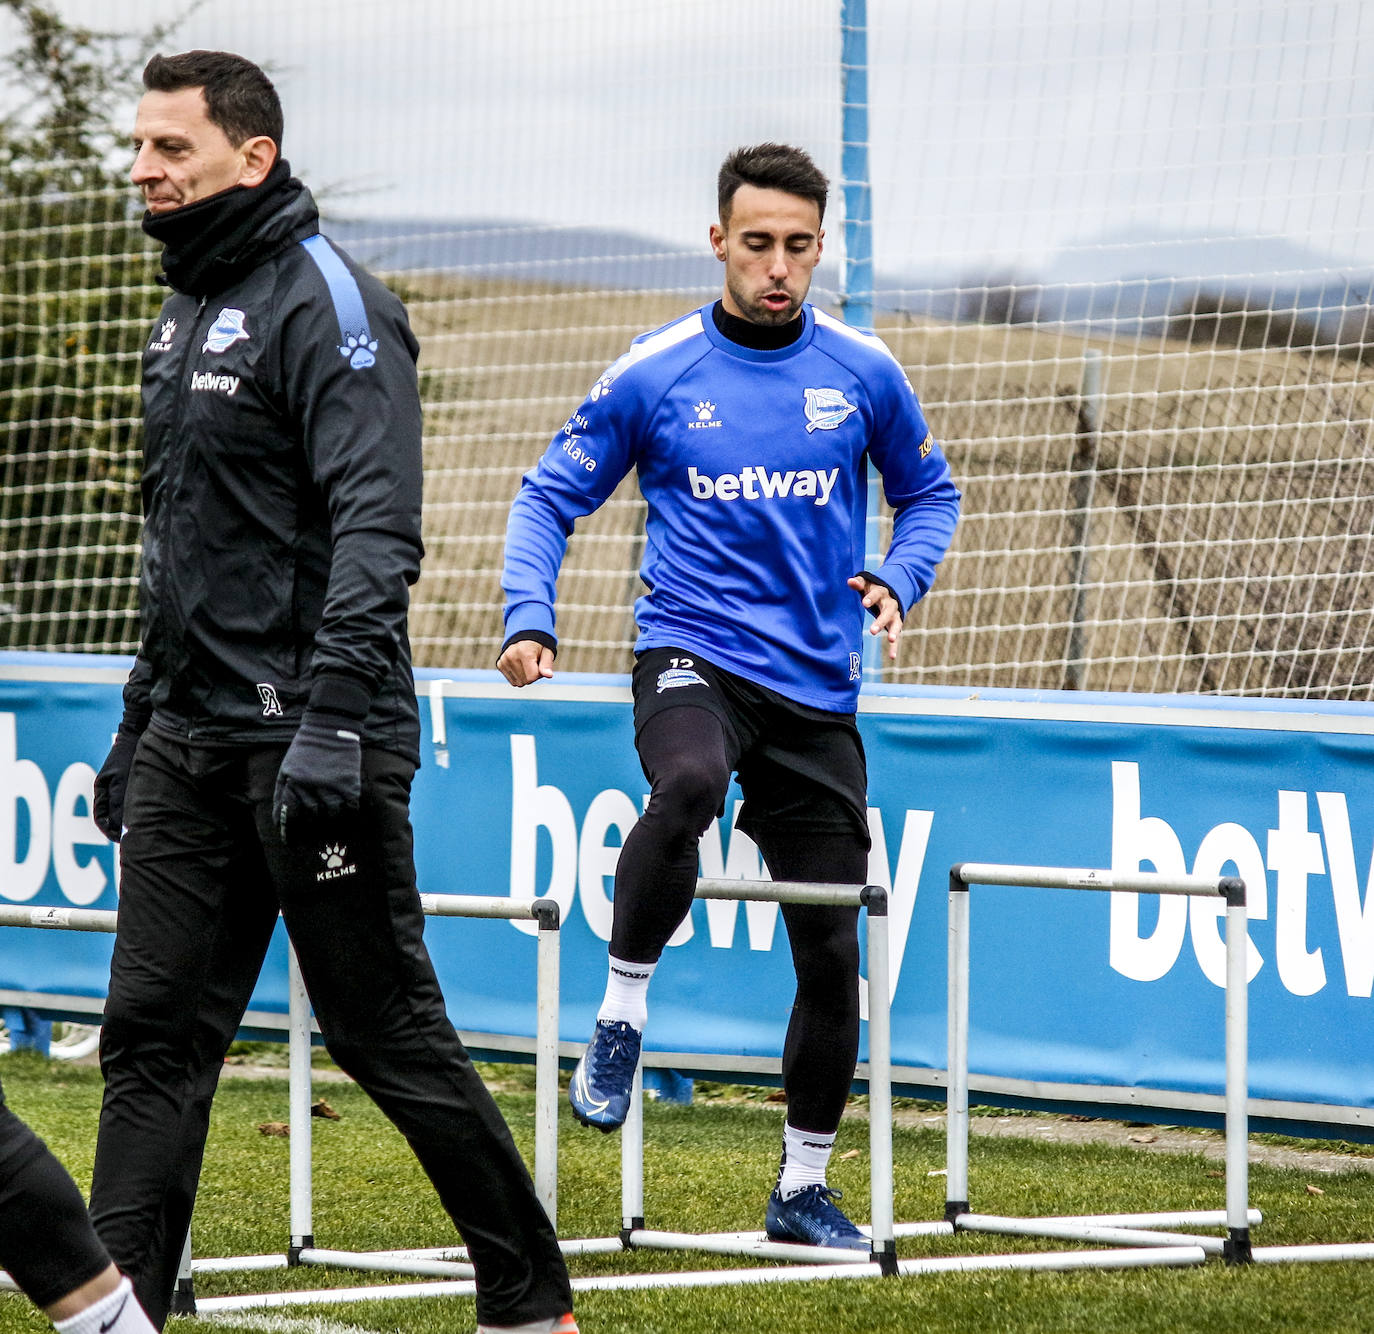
(601,1083)
(810,1217)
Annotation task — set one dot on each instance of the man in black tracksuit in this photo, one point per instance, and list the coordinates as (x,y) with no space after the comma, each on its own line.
(270,728)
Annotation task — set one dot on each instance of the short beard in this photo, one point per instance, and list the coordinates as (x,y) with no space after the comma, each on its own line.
(757,313)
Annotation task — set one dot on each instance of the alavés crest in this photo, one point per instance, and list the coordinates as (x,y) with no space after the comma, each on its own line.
(826,409)
(227,330)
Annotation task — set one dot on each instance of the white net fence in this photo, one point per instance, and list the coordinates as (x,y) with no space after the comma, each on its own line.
(1124,253)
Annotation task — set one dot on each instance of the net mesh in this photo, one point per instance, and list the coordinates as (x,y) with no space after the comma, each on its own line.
(1113,251)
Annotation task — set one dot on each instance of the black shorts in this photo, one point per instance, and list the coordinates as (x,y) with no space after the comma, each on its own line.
(800,769)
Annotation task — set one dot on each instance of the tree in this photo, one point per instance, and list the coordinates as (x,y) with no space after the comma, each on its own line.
(999,298)
(77,297)
(1218,319)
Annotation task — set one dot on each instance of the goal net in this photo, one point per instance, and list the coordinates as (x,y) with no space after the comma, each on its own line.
(1122,251)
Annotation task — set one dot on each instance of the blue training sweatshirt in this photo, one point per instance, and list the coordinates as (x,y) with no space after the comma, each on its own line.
(752,467)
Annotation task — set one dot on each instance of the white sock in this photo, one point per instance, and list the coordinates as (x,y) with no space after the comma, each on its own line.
(805,1156)
(546,1326)
(627,993)
(117,1312)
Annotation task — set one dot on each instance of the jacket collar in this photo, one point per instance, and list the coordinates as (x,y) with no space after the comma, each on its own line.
(209,245)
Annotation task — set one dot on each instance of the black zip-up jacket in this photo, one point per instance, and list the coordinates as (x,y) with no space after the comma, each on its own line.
(281,496)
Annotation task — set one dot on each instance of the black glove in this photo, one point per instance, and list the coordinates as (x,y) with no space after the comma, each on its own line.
(321,776)
(112,782)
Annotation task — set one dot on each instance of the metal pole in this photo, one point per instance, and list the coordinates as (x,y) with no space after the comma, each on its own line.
(856,289)
(956,1057)
(1080,513)
(1001,1225)
(1238,1249)
(59,919)
(1135,1258)
(632,1161)
(184,1294)
(856,300)
(753,1245)
(546,1059)
(298,1101)
(880,1080)
(1072,877)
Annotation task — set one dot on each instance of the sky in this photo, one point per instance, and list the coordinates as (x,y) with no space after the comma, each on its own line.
(1053,138)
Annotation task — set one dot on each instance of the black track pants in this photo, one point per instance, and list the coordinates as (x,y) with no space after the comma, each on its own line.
(204,874)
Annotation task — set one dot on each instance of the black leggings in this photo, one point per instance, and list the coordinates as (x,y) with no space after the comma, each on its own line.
(684,753)
(47,1242)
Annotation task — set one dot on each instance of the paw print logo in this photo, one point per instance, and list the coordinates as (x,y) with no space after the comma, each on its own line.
(333,855)
(360,350)
(601,388)
(704,411)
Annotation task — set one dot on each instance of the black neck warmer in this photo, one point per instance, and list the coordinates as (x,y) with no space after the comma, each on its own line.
(759,337)
(208,244)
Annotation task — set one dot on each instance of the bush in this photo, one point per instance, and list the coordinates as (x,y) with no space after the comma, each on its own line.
(75,307)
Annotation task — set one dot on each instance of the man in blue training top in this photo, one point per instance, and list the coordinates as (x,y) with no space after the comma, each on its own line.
(748,423)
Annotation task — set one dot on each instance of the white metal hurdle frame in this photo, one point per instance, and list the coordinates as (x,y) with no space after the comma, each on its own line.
(302,1249)
(420,1262)
(1122,1229)
(818,1262)
(444,1261)
(634,1235)
(1137,1246)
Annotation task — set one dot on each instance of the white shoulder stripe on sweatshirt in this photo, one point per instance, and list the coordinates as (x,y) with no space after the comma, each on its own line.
(688,327)
(824,321)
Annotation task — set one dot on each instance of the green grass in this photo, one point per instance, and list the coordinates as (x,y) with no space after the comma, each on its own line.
(708,1168)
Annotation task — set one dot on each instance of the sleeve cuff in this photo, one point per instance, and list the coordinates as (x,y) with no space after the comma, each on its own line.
(335,692)
(536,636)
(879,579)
(136,719)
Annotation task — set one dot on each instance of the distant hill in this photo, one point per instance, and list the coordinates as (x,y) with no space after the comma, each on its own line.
(497,248)
(1128,282)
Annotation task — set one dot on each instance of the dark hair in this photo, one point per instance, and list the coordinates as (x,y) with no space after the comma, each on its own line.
(770,167)
(239,97)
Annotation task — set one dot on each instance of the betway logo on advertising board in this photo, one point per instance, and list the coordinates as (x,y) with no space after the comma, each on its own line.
(1299,855)
(1311,893)
(584,861)
(1281,880)
(60,833)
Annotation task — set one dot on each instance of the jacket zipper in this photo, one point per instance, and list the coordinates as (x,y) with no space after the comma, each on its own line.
(172,478)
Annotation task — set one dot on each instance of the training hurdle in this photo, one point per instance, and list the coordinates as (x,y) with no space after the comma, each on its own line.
(817,1261)
(881,1258)
(301,1249)
(443,1265)
(1138,1245)
(810,1263)
(634,1234)
(1120,1229)
(447,1261)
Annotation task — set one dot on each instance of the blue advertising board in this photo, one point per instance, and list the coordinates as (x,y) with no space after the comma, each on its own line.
(1102,999)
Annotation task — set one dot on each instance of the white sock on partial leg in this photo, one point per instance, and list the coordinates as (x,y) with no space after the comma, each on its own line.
(805,1156)
(627,993)
(117,1312)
